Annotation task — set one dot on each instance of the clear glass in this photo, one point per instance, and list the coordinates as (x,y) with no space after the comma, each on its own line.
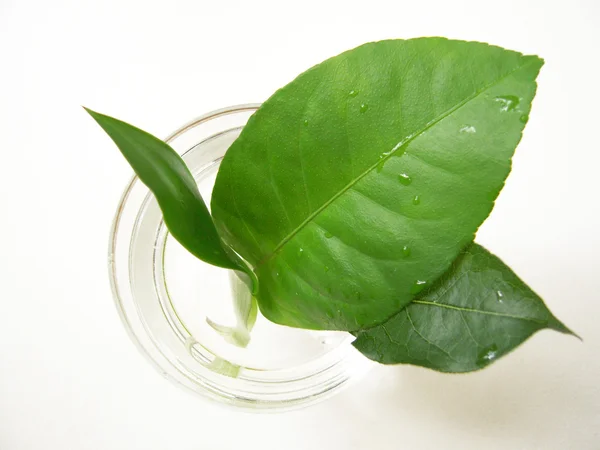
(164,296)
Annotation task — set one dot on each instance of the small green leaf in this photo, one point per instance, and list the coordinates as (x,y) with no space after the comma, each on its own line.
(474,314)
(166,175)
(397,149)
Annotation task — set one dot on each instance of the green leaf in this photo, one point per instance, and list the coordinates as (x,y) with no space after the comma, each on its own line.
(357,184)
(474,314)
(166,175)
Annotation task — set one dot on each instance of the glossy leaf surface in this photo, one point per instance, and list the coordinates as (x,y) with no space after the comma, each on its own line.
(161,169)
(476,313)
(356,186)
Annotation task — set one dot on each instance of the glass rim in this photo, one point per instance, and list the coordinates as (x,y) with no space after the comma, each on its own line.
(208,388)
(114,228)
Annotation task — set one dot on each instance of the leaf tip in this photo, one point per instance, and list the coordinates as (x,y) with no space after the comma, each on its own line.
(557,325)
(95,115)
(572,333)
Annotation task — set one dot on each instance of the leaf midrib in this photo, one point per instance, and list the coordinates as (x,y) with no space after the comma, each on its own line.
(477,311)
(391,153)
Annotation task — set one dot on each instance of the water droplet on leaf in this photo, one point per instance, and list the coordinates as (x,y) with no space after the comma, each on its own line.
(380,166)
(416,200)
(406,251)
(326,269)
(487,355)
(524,118)
(507,102)
(500,296)
(305,122)
(468,129)
(418,286)
(363,108)
(404,179)
(328,235)
(353,93)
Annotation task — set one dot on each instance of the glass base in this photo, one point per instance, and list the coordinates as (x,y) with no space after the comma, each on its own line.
(165,295)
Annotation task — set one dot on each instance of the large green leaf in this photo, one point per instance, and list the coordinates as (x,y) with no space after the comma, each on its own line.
(166,175)
(356,185)
(475,313)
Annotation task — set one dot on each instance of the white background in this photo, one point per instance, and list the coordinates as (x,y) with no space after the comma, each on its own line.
(69,376)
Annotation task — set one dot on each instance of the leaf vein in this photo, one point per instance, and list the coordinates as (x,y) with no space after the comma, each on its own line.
(397,147)
(431,343)
(477,311)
